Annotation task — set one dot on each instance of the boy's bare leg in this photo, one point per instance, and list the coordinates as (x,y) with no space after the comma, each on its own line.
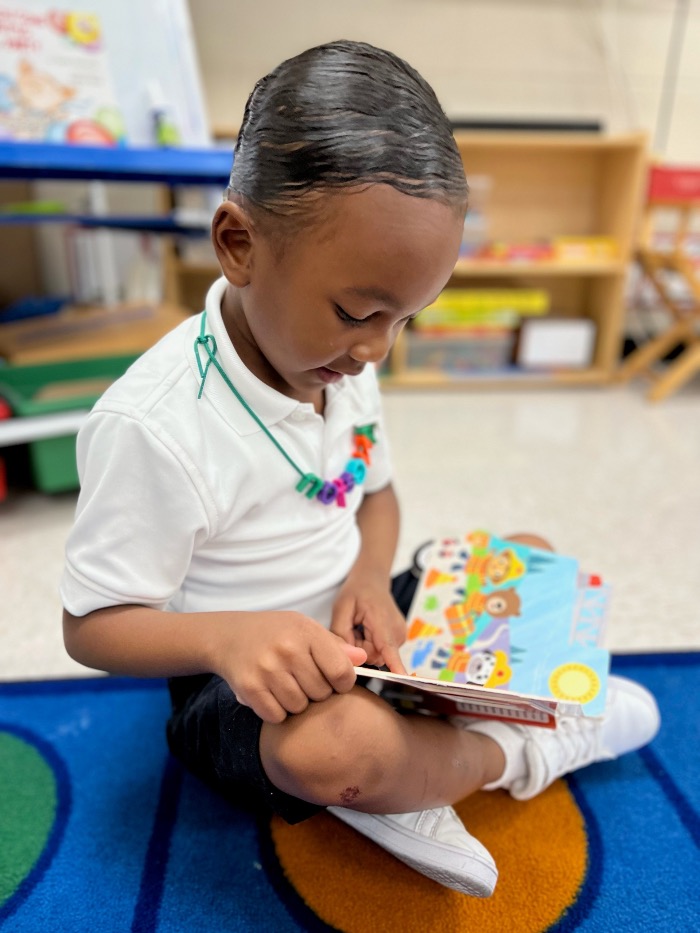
(355,751)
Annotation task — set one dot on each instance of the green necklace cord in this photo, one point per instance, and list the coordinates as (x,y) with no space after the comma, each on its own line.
(204,340)
(312,486)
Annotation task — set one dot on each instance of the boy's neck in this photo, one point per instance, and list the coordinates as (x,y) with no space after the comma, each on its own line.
(244,343)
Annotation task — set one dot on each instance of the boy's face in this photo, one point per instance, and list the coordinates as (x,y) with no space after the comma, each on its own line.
(340,292)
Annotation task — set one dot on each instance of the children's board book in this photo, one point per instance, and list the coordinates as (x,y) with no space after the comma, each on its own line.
(501,630)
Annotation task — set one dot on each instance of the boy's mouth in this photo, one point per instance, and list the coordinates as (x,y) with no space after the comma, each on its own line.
(333,375)
(329,375)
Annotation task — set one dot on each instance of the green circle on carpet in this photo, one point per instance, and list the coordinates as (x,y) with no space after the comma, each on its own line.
(28,800)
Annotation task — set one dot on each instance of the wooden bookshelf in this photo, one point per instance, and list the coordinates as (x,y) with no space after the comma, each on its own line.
(545,186)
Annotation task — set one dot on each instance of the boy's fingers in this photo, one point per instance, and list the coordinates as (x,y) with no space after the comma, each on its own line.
(392,659)
(342,621)
(265,706)
(337,666)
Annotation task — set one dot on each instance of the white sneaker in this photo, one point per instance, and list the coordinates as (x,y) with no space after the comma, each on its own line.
(536,757)
(433,842)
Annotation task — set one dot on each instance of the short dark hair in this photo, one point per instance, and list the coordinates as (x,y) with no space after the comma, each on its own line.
(341,115)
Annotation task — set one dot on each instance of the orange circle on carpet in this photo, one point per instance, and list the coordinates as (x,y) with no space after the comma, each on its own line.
(540,848)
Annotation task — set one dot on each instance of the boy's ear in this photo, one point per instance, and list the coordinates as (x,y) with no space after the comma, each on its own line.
(232,236)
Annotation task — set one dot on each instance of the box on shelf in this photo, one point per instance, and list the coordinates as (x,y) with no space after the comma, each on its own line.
(58,387)
(556,343)
(475,352)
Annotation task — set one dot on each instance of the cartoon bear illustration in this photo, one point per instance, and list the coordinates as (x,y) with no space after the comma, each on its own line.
(502,603)
(499,604)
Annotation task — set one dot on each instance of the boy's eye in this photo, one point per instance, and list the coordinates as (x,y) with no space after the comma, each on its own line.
(348,318)
(358,321)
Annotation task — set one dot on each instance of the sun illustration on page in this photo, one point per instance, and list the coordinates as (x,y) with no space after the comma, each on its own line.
(575,682)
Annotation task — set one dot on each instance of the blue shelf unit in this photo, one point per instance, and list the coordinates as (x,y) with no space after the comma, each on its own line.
(169,166)
(138,224)
(31,161)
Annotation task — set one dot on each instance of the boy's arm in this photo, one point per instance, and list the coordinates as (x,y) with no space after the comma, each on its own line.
(365,613)
(275,662)
(378,520)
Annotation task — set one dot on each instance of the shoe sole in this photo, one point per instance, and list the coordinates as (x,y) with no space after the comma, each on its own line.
(468,873)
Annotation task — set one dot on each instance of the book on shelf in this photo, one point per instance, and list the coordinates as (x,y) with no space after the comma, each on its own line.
(457,308)
(514,251)
(557,249)
(586,248)
(498,629)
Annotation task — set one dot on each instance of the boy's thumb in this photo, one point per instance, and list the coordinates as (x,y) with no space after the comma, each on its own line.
(358,656)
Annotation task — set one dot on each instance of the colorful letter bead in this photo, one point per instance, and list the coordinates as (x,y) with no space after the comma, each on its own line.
(349,481)
(327,493)
(368,430)
(313,482)
(340,486)
(357,468)
(353,475)
(363,446)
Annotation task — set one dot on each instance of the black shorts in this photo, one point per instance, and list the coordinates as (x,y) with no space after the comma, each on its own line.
(218,739)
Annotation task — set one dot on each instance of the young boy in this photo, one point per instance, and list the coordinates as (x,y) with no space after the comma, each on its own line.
(236,525)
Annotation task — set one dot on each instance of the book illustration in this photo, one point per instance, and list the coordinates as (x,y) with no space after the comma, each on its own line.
(54,79)
(502,616)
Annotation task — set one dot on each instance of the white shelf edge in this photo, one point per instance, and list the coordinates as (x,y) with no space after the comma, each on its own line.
(40,427)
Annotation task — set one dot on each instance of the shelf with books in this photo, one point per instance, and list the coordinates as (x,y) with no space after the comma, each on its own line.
(466,268)
(556,213)
(97,333)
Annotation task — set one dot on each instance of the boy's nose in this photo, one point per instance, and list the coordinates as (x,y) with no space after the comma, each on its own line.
(372,349)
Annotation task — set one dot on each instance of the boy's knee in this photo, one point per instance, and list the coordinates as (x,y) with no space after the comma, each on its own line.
(327,754)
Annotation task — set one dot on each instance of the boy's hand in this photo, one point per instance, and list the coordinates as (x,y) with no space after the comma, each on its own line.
(283,661)
(366,615)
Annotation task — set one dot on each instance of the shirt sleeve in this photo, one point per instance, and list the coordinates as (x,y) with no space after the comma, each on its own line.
(139,517)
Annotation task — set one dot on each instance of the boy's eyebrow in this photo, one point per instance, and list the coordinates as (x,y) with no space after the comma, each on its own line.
(375,292)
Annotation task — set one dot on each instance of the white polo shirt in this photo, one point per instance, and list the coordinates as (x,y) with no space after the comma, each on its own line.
(187,505)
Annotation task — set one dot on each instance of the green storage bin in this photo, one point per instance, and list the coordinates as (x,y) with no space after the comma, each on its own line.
(48,388)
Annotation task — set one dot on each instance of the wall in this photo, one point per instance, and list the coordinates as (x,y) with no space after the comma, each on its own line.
(568,59)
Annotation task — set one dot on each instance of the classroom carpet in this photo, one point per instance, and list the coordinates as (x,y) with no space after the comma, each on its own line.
(101,830)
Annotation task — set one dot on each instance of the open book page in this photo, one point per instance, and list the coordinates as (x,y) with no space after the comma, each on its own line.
(411,693)
(512,621)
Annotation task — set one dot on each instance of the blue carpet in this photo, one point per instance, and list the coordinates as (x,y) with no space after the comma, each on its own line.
(100,830)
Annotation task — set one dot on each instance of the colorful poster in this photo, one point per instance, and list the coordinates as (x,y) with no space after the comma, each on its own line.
(55,83)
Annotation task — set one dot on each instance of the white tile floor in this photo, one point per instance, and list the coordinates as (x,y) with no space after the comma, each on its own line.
(605,475)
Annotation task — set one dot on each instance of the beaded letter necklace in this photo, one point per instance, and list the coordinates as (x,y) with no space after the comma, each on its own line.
(310,485)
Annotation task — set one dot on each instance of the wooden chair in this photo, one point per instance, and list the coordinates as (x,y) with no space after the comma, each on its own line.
(675,192)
